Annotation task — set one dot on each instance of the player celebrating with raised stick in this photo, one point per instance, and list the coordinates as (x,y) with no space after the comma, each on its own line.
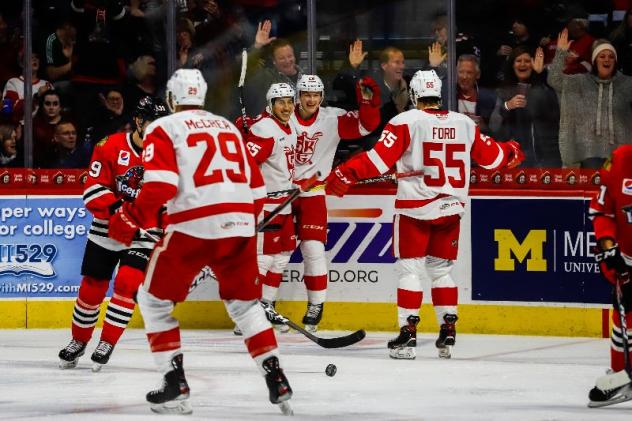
(428,208)
(198,164)
(611,212)
(115,176)
(271,141)
(319,129)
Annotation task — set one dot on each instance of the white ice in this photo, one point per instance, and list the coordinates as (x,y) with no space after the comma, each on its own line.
(488,378)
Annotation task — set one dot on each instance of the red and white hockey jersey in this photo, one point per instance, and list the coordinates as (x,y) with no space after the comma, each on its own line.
(318,137)
(272,145)
(115,174)
(198,164)
(440,144)
(611,210)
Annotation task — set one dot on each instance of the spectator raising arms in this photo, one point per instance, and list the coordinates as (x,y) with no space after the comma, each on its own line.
(596,116)
(283,70)
(527,109)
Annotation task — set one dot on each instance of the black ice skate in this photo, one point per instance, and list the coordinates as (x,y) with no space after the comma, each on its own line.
(611,389)
(101,355)
(69,356)
(277,324)
(173,395)
(447,336)
(279,387)
(312,317)
(403,347)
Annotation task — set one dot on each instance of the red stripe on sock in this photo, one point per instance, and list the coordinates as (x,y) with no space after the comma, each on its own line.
(273,279)
(409,299)
(315,283)
(164,341)
(261,343)
(445,296)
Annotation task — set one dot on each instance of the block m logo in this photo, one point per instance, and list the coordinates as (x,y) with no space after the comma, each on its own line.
(532,245)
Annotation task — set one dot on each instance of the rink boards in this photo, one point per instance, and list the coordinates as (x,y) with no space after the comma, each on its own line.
(525,266)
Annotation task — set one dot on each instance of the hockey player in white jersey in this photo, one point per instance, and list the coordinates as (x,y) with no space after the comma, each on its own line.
(428,208)
(271,142)
(198,164)
(319,129)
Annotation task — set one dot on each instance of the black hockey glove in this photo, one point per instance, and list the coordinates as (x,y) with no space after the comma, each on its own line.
(613,260)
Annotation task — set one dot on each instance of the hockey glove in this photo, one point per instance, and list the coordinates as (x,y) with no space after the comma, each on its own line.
(513,152)
(339,181)
(613,260)
(122,227)
(368,92)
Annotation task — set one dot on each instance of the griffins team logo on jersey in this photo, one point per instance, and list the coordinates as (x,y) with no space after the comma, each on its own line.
(305,147)
(129,184)
(627,186)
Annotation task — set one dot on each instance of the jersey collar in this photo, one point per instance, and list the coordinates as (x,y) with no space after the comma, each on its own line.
(307,122)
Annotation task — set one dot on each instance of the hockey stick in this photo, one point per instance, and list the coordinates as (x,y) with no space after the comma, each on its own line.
(339,342)
(307,185)
(240,85)
(624,327)
(387,177)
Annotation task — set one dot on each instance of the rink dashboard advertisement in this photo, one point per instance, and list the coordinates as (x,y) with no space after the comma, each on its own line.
(534,250)
(41,245)
(527,249)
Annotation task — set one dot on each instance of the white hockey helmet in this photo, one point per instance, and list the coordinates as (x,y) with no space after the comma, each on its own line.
(279,90)
(310,83)
(186,87)
(425,84)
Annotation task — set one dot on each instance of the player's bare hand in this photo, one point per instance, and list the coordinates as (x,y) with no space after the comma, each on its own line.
(356,54)
(435,54)
(263,38)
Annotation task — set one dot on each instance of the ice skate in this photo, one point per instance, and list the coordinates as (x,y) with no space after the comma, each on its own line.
(278,385)
(403,347)
(101,355)
(172,397)
(447,336)
(277,324)
(237,331)
(69,356)
(312,317)
(611,389)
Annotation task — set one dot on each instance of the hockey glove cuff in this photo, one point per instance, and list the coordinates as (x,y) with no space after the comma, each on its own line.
(613,260)
(513,153)
(339,181)
(368,92)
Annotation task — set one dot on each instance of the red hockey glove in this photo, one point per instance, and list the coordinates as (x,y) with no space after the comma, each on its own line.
(613,260)
(244,125)
(513,152)
(339,181)
(368,92)
(122,227)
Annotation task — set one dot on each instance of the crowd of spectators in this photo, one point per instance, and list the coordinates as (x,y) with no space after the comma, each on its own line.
(94,59)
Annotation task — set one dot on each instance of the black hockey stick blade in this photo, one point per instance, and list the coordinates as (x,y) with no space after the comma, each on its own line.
(339,342)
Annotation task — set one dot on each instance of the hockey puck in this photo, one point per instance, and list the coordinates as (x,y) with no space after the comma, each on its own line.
(331,370)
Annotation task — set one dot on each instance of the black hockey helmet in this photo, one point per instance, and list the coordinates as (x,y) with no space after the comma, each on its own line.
(150,108)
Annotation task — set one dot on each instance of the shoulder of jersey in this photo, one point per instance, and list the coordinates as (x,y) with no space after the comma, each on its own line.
(112,140)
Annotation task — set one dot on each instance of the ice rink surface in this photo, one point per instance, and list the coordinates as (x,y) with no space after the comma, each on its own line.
(488,378)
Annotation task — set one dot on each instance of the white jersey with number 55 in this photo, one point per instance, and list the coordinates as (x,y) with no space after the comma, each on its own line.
(439,143)
(204,157)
